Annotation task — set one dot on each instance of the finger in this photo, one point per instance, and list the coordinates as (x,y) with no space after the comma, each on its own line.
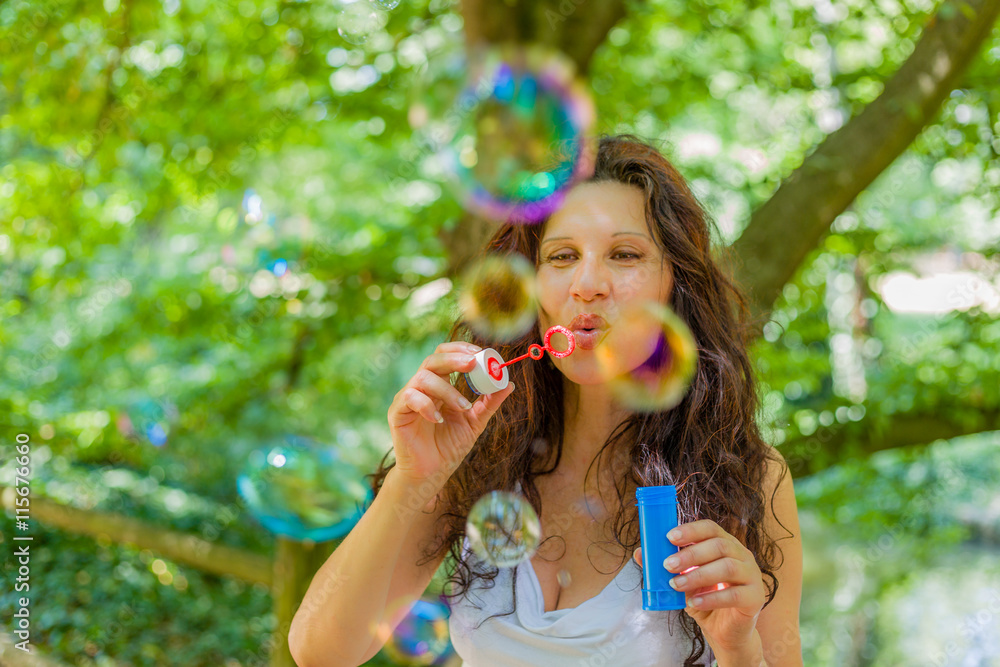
(711,549)
(637,555)
(728,570)
(739,597)
(444,364)
(457,346)
(437,387)
(709,589)
(695,531)
(420,403)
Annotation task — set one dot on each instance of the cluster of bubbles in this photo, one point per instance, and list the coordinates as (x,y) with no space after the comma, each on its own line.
(358,19)
(421,638)
(147,420)
(303,491)
(503,529)
(518,135)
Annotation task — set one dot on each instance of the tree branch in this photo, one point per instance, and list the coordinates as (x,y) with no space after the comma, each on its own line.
(793,221)
(575,27)
(180,547)
(837,443)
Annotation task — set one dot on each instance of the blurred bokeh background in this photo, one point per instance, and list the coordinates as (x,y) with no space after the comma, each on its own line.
(223,243)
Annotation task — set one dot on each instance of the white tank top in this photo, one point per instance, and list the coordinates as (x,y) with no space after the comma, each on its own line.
(609,629)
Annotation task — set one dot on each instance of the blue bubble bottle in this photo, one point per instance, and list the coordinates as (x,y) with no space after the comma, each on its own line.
(657,516)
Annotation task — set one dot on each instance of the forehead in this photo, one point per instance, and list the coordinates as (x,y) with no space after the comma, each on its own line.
(598,208)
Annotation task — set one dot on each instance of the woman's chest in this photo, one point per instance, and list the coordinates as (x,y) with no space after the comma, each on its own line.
(578,556)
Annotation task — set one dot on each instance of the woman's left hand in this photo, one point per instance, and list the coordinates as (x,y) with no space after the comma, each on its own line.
(721,581)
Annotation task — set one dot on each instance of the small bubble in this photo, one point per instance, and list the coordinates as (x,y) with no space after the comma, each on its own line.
(498,297)
(503,529)
(357,21)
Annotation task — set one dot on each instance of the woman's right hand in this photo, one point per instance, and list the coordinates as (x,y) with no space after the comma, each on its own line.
(429,449)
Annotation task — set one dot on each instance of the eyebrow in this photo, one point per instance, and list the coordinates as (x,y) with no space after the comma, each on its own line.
(559,238)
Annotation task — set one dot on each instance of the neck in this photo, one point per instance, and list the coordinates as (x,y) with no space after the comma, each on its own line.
(591,416)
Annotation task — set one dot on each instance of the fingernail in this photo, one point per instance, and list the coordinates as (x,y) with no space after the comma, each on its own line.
(672,562)
(438,418)
(467,360)
(674,534)
(677,582)
(696,602)
(464,403)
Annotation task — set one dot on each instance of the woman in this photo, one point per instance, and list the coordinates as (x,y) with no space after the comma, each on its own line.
(631,233)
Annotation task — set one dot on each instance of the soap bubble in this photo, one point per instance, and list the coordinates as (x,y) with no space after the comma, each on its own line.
(564,578)
(503,528)
(303,491)
(517,136)
(358,20)
(648,357)
(147,420)
(422,636)
(498,298)
(387,4)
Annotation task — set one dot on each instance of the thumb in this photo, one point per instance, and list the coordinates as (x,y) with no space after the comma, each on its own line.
(637,555)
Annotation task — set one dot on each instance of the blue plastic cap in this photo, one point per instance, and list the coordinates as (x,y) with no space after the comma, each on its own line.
(662,600)
(656,494)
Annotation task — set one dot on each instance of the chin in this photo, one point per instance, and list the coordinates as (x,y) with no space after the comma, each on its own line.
(582,373)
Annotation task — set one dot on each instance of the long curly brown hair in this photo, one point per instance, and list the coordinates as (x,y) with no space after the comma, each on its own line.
(708,445)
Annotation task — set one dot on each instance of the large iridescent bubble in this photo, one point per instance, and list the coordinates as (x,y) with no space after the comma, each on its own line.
(503,529)
(519,134)
(303,491)
(498,298)
(648,357)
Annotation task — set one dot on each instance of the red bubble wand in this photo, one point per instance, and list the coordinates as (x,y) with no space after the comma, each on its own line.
(489,376)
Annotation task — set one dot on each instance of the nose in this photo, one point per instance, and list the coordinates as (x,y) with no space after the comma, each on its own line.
(590,279)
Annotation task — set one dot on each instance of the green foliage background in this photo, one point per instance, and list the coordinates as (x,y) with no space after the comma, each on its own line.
(130,132)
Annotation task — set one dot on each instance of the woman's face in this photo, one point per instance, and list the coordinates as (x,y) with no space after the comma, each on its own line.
(597,257)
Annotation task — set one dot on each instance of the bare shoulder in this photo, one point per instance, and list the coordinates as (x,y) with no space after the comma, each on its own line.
(779,496)
(778,622)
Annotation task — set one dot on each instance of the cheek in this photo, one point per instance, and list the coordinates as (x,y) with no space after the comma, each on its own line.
(549,294)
